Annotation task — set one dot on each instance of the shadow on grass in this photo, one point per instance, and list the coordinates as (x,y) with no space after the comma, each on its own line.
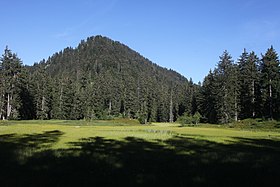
(29,161)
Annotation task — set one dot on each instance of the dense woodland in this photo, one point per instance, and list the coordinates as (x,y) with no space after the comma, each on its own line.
(249,88)
(104,79)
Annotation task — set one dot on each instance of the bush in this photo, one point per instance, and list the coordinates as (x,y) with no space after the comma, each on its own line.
(258,123)
(187,119)
(196,117)
(142,119)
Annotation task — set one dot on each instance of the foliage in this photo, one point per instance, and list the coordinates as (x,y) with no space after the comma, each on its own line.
(246,89)
(12,86)
(270,79)
(257,124)
(249,85)
(187,119)
(103,78)
(142,118)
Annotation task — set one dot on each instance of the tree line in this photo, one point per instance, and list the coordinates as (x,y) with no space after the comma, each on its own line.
(248,88)
(99,79)
(104,79)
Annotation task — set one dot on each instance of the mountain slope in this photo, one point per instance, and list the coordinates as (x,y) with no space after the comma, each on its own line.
(102,54)
(102,78)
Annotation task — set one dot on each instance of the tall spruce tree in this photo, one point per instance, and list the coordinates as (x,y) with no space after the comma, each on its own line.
(225,104)
(248,80)
(27,107)
(11,80)
(63,99)
(270,69)
(207,98)
(42,92)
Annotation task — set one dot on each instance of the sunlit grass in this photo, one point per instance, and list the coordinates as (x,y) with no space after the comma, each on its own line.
(124,149)
(122,128)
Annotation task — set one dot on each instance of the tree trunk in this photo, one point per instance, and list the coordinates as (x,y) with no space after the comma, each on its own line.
(110,107)
(43,103)
(171,116)
(60,100)
(1,107)
(9,107)
(1,112)
(226,118)
(43,108)
(138,95)
(270,99)
(235,108)
(253,99)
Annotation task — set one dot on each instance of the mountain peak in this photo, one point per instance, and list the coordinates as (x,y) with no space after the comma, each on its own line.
(117,79)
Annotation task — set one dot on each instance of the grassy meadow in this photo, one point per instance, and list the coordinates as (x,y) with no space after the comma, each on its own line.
(123,152)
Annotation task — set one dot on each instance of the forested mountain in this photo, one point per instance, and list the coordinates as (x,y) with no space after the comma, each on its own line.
(100,79)
(103,79)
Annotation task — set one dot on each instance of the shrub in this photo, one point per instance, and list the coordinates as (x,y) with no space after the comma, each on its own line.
(142,117)
(196,117)
(187,119)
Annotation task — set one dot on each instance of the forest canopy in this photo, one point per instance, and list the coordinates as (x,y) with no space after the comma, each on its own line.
(104,79)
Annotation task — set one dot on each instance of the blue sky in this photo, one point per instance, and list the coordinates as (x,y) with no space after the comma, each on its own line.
(187,36)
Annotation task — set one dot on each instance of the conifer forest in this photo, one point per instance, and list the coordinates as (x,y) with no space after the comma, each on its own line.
(104,79)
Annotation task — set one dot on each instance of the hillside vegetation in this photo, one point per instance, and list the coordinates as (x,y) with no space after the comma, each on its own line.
(104,79)
(99,79)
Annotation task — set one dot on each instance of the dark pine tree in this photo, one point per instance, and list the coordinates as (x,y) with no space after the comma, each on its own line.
(248,79)
(206,99)
(226,94)
(269,68)
(11,74)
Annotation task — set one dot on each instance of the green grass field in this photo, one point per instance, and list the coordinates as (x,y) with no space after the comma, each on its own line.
(122,152)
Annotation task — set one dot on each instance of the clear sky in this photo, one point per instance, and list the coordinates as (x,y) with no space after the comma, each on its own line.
(187,36)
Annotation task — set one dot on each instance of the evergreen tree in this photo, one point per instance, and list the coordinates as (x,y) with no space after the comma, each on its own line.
(207,98)
(11,80)
(248,80)
(269,68)
(225,104)
(27,107)
(41,92)
(80,99)
(152,108)
(63,97)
